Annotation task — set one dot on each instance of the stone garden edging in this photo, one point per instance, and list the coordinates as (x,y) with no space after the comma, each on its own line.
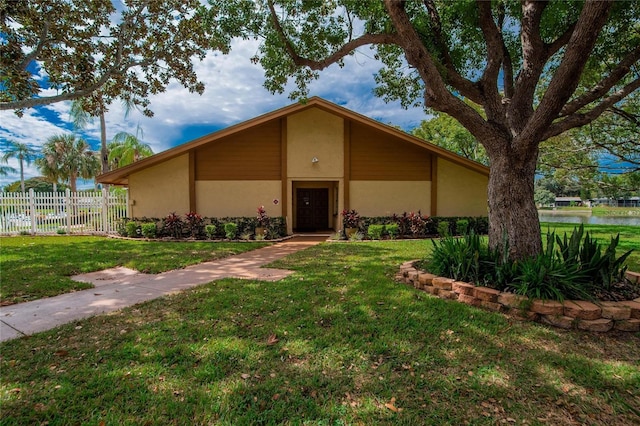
(570,314)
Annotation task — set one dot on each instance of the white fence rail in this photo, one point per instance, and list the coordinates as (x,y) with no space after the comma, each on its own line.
(61,212)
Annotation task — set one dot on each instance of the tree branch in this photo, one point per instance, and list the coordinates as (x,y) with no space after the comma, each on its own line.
(437,95)
(600,89)
(552,48)
(495,50)
(632,118)
(507,63)
(577,119)
(466,87)
(33,55)
(344,50)
(565,80)
(521,106)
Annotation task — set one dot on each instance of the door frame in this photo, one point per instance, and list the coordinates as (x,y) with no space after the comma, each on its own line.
(333,194)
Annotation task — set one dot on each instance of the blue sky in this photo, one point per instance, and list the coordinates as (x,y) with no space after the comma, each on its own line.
(233,94)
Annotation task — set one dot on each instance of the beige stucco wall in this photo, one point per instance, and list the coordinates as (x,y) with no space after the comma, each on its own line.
(238,198)
(461,192)
(315,133)
(161,189)
(383,198)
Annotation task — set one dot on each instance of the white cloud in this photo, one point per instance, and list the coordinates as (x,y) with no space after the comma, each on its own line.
(234,93)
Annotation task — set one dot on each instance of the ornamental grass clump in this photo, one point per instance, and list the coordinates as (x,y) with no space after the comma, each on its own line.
(569,267)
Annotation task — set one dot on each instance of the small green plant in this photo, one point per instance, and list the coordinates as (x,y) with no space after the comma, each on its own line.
(393,230)
(210,231)
(149,230)
(357,236)
(61,231)
(132,229)
(231,230)
(375,231)
(336,236)
(462,226)
(458,258)
(246,236)
(260,237)
(444,228)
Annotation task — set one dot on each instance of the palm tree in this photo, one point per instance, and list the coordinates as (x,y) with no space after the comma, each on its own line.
(5,170)
(80,120)
(68,158)
(23,152)
(127,148)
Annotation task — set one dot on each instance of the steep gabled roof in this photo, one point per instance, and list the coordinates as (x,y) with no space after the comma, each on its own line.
(120,176)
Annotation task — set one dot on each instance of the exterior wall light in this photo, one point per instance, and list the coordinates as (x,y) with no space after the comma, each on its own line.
(314,160)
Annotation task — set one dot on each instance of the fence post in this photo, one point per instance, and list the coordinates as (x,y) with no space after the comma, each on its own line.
(127,208)
(32,211)
(105,211)
(68,209)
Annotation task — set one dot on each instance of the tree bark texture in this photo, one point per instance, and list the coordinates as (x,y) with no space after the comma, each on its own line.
(513,217)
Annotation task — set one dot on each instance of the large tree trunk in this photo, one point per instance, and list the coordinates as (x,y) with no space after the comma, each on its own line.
(512,212)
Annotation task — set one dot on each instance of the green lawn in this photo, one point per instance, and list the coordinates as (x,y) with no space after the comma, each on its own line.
(36,267)
(338,342)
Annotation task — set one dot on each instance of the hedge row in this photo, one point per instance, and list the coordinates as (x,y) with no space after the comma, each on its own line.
(427,226)
(194,226)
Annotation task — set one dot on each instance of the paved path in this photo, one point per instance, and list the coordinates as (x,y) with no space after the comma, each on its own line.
(121,287)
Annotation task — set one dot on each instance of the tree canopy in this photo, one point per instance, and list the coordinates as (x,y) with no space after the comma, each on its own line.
(38,184)
(66,158)
(126,148)
(97,51)
(21,151)
(535,69)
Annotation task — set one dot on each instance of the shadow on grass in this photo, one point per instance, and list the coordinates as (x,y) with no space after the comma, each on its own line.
(36,267)
(339,342)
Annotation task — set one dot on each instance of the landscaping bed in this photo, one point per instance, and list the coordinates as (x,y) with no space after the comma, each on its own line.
(599,316)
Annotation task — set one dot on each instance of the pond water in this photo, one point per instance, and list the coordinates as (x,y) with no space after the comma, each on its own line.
(587,218)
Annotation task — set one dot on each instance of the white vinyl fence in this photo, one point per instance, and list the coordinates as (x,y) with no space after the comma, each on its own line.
(61,212)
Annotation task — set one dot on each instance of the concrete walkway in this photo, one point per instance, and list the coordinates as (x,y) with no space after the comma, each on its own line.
(117,288)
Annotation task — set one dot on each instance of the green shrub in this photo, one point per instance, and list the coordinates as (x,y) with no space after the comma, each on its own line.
(210,230)
(549,276)
(375,231)
(61,231)
(462,226)
(444,229)
(149,230)
(231,230)
(463,259)
(568,267)
(393,230)
(132,229)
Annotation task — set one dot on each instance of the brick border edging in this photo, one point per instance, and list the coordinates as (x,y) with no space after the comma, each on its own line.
(570,314)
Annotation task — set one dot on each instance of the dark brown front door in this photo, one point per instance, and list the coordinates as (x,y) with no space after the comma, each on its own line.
(312,209)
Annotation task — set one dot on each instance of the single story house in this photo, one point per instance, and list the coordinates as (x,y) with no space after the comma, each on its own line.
(306,162)
(567,201)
